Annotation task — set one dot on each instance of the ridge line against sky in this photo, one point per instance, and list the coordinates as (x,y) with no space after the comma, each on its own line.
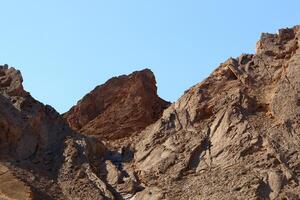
(65,49)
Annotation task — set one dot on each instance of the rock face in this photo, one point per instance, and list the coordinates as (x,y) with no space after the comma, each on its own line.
(27,126)
(233,136)
(12,188)
(118,108)
(42,158)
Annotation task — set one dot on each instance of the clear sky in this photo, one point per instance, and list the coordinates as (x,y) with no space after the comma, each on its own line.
(65,48)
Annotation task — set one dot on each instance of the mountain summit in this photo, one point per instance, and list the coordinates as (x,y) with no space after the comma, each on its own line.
(120,107)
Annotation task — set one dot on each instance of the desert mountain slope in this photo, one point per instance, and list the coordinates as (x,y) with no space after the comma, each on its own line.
(120,107)
(236,135)
(233,136)
(42,158)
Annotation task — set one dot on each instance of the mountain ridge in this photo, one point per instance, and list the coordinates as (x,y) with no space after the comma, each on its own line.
(235,135)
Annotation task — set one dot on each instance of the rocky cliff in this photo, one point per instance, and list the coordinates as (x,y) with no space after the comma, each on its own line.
(120,107)
(42,158)
(235,135)
(40,155)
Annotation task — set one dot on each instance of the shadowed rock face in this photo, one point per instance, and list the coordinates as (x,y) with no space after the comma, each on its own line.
(27,127)
(233,136)
(118,108)
(40,156)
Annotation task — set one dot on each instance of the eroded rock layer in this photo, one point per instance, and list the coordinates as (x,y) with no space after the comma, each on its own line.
(233,136)
(236,135)
(120,107)
(42,158)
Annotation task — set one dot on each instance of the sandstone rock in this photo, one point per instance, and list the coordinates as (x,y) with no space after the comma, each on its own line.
(113,174)
(235,135)
(77,177)
(118,108)
(28,127)
(11,188)
(149,194)
(275,182)
(41,149)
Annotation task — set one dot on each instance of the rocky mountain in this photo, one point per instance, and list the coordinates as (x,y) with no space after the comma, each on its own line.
(235,135)
(42,158)
(38,148)
(120,107)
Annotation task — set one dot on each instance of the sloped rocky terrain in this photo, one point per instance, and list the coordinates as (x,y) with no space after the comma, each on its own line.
(235,135)
(11,187)
(42,158)
(120,107)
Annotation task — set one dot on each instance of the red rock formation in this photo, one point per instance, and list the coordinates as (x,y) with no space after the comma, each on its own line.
(118,108)
(40,156)
(233,136)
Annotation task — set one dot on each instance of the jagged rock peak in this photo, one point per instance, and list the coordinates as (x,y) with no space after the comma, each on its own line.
(24,122)
(40,156)
(11,81)
(281,44)
(121,106)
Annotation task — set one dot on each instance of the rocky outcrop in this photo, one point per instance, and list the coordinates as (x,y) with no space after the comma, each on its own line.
(45,159)
(233,136)
(27,127)
(120,107)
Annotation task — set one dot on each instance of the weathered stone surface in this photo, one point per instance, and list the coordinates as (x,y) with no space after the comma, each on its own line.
(11,188)
(118,108)
(149,194)
(41,149)
(233,136)
(27,127)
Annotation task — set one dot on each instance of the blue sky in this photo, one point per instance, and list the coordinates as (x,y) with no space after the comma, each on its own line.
(65,48)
